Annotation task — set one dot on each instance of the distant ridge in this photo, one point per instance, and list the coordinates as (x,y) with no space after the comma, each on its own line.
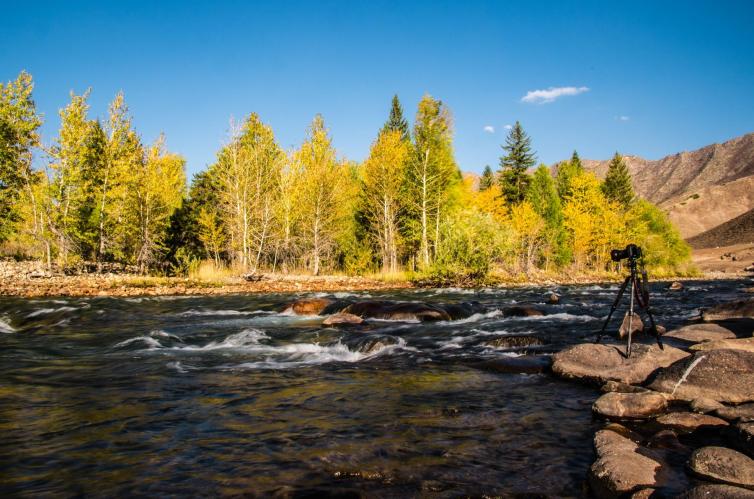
(699,190)
(736,231)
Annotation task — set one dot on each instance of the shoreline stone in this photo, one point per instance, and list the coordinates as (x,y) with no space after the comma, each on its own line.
(630,405)
(723,465)
(700,332)
(688,422)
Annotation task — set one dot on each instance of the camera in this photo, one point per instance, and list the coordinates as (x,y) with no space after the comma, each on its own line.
(632,252)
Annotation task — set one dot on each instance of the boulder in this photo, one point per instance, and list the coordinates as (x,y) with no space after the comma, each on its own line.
(553,299)
(675,286)
(689,422)
(397,311)
(740,309)
(705,406)
(743,412)
(723,465)
(342,318)
(463,310)
(636,325)
(630,405)
(700,332)
(522,311)
(746,437)
(746,344)
(617,386)
(716,491)
(373,344)
(309,306)
(623,467)
(598,363)
(525,364)
(721,375)
(517,341)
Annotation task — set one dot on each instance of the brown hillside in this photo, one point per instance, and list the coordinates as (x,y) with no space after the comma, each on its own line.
(736,231)
(699,190)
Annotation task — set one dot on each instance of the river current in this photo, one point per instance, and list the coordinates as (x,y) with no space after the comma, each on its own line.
(227,395)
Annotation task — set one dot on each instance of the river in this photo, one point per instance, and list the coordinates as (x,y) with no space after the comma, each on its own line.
(226,395)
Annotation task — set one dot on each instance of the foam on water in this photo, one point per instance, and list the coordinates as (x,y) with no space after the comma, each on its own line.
(562,316)
(45,311)
(476,317)
(225,312)
(5,326)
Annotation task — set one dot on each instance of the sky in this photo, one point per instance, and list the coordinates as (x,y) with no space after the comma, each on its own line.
(644,78)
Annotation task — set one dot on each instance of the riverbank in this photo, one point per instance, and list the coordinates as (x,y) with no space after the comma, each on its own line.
(32,279)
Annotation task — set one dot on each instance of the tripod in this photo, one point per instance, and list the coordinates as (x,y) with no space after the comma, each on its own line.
(641,294)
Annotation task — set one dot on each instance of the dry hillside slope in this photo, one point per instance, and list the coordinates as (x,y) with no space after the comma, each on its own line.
(700,189)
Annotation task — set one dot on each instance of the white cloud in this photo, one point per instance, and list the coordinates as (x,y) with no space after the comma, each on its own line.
(550,94)
(489,129)
(622,118)
(508,127)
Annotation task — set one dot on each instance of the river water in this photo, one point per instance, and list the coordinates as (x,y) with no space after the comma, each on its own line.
(226,395)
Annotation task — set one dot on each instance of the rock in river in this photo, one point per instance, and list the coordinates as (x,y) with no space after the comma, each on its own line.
(309,306)
(623,467)
(740,309)
(397,311)
(599,363)
(737,344)
(516,341)
(688,422)
(630,405)
(715,491)
(522,311)
(721,375)
(720,464)
(743,412)
(342,318)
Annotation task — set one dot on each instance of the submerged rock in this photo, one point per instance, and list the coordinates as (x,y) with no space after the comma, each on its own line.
(740,309)
(525,364)
(723,465)
(715,491)
(721,375)
(342,318)
(397,311)
(630,405)
(700,332)
(463,310)
(309,306)
(516,341)
(522,311)
(746,344)
(689,422)
(599,363)
(675,286)
(623,466)
(554,299)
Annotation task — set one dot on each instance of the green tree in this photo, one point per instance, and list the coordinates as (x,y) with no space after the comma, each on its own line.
(487,179)
(396,121)
(545,200)
(19,123)
(566,171)
(617,185)
(514,179)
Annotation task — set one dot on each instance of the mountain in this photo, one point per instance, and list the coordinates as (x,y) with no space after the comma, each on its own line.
(699,190)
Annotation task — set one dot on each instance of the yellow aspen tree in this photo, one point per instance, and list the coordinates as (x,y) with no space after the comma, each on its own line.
(528,227)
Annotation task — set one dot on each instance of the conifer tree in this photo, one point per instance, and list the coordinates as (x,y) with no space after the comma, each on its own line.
(545,200)
(487,179)
(396,121)
(617,185)
(514,178)
(566,171)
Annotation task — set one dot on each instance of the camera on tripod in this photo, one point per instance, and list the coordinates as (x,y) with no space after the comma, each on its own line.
(631,252)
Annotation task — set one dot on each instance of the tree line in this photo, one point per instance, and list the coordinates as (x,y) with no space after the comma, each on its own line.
(102,195)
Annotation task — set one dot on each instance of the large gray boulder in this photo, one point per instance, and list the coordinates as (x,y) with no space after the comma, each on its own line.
(599,363)
(740,309)
(624,467)
(720,464)
(630,405)
(721,375)
(700,332)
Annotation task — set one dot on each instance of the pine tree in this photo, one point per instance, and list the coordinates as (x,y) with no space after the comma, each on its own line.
(545,200)
(566,171)
(514,179)
(487,179)
(617,185)
(396,121)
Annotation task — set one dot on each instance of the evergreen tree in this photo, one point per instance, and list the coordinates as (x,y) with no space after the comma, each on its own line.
(544,198)
(396,121)
(487,179)
(514,179)
(617,185)
(566,171)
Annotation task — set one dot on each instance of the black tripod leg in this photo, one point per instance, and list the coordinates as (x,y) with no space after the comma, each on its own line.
(654,328)
(612,309)
(644,302)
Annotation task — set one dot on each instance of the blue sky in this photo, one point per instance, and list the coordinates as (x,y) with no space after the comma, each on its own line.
(646,78)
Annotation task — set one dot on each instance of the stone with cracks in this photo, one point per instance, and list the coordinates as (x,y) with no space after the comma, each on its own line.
(721,375)
(720,464)
(630,405)
(599,363)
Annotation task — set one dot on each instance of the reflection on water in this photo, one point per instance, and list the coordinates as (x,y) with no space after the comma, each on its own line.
(225,395)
